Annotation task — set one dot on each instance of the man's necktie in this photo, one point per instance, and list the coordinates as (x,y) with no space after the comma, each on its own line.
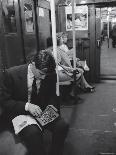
(34,90)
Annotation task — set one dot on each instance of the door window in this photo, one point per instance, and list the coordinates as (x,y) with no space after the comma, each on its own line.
(28,15)
(9,16)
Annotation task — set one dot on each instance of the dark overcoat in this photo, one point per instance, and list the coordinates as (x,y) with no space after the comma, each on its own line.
(15,91)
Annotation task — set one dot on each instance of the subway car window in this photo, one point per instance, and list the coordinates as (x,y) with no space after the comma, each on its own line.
(9,16)
(28,15)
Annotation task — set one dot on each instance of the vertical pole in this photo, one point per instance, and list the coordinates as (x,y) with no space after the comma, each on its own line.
(36,24)
(73,26)
(108,29)
(53,20)
(108,25)
(74,46)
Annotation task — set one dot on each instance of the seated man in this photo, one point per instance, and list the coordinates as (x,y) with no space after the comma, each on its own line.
(64,59)
(20,99)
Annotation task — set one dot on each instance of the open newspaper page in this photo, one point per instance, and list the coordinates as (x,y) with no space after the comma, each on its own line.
(48,115)
(22,121)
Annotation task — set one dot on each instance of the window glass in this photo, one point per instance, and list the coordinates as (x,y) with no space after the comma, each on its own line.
(28,14)
(9,16)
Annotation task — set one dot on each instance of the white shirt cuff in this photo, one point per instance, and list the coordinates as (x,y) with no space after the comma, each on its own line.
(26,106)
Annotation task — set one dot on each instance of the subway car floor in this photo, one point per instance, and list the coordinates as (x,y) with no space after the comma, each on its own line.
(92,122)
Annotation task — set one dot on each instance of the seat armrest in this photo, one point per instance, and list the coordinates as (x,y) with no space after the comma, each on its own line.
(65,83)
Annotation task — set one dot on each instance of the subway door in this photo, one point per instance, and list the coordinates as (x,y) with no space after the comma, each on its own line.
(98,44)
(12,33)
(28,26)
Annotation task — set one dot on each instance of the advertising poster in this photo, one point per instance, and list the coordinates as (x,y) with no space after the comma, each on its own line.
(81,17)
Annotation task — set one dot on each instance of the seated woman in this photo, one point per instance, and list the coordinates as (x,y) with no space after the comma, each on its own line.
(66,69)
(62,41)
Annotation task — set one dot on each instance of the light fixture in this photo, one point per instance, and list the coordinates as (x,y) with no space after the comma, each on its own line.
(83,2)
(109,9)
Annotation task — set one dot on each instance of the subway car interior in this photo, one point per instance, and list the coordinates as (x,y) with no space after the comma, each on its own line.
(27,26)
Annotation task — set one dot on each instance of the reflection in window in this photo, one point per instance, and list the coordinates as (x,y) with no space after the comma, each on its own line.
(9,16)
(28,12)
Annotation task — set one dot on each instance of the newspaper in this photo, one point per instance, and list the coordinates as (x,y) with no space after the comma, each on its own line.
(22,121)
(47,116)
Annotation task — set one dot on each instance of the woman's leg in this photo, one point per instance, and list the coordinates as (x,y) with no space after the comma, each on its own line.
(85,85)
(63,77)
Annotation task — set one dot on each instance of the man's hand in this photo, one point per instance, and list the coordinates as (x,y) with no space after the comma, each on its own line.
(34,109)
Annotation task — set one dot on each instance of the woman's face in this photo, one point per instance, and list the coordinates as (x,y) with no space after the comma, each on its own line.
(64,39)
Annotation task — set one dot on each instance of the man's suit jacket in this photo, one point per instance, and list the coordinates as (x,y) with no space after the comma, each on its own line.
(15,91)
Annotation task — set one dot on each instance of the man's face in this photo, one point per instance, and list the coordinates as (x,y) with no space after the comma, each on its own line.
(39,74)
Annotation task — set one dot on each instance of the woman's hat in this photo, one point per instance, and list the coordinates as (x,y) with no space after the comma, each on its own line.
(61,34)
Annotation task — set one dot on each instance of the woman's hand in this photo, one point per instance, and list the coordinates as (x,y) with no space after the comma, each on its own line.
(70,69)
(35,110)
(77,59)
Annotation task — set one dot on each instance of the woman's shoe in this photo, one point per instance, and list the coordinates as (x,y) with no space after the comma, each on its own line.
(89,89)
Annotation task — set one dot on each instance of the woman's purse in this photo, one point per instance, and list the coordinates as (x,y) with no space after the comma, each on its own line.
(86,68)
